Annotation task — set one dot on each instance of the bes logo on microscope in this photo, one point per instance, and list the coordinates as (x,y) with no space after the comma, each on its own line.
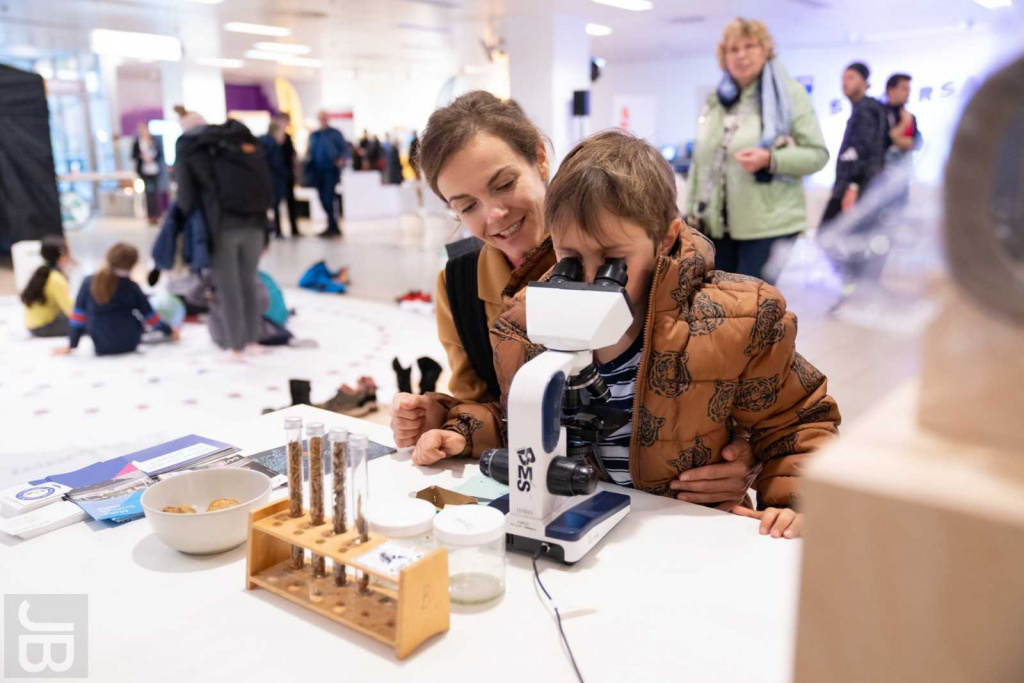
(525,476)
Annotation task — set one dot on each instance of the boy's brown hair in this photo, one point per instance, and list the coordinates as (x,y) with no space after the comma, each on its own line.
(616,171)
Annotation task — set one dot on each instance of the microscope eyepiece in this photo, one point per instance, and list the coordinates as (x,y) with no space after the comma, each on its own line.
(612,273)
(568,269)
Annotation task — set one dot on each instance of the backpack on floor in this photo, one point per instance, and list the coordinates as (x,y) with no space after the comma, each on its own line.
(239,169)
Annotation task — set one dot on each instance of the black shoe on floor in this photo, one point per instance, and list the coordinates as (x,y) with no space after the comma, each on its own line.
(430,370)
(404,376)
(300,390)
(330,233)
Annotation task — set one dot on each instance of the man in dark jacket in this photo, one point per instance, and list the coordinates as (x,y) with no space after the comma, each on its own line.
(862,153)
(328,151)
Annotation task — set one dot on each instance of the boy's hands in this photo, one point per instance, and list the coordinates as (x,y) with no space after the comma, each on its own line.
(437,444)
(779,522)
(413,415)
(724,484)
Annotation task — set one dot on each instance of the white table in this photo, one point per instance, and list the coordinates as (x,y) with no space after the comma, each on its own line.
(675,592)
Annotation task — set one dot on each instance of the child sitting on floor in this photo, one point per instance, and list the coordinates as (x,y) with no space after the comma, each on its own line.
(107,305)
(709,353)
(47,296)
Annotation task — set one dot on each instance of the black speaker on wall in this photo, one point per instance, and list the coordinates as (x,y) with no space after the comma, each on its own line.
(581,103)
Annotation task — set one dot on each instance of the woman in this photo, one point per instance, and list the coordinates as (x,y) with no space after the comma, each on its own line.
(487,161)
(148,154)
(47,296)
(756,139)
(107,308)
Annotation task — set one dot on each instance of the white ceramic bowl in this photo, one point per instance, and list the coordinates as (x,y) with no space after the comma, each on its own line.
(205,533)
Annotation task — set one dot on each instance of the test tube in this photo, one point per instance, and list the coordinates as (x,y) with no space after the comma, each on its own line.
(315,432)
(358,445)
(339,465)
(293,428)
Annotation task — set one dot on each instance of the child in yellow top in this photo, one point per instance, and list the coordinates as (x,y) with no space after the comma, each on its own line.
(47,297)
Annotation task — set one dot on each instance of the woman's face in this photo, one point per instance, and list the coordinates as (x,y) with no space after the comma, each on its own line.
(744,59)
(497,194)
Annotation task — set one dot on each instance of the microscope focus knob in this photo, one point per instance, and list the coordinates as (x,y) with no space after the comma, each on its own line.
(568,478)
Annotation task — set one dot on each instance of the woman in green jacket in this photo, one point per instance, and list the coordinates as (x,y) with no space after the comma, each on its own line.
(756,139)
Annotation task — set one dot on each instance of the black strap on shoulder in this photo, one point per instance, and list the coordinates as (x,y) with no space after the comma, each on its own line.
(468,312)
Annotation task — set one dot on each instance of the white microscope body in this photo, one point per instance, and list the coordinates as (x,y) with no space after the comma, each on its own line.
(572,320)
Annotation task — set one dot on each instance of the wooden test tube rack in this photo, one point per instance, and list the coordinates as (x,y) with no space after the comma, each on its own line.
(403,620)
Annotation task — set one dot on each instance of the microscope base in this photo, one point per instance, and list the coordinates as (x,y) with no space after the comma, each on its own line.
(575,532)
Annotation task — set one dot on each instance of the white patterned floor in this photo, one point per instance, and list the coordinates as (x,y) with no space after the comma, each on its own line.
(64,413)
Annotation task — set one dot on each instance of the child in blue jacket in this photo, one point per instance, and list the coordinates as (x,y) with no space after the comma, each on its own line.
(109,307)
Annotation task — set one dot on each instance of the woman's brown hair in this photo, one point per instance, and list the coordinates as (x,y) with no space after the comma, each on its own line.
(120,258)
(450,128)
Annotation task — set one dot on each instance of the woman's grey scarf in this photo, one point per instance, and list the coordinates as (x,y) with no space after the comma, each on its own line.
(776,107)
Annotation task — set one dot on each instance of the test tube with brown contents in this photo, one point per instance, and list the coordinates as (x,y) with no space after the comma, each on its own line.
(359,447)
(293,428)
(315,432)
(339,466)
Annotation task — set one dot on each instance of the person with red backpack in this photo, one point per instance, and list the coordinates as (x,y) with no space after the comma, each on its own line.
(221,171)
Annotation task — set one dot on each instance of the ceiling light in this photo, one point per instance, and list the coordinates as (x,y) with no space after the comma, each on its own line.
(598,30)
(258,29)
(221,62)
(286,48)
(633,5)
(145,46)
(269,56)
(307,62)
(993,4)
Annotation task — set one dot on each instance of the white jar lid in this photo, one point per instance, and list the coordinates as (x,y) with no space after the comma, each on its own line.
(402,518)
(468,525)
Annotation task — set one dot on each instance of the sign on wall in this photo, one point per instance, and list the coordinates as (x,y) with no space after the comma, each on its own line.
(637,113)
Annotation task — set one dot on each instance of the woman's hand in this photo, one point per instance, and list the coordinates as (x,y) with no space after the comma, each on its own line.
(413,415)
(723,484)
(753,159)
(779,522)
(62,351)
(438,444)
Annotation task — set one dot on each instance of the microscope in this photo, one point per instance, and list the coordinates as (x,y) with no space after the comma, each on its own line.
(555,416)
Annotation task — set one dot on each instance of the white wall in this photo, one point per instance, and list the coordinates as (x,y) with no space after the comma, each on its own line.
(950,65)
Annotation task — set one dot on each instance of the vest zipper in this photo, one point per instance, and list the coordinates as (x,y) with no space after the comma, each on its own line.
(641,368)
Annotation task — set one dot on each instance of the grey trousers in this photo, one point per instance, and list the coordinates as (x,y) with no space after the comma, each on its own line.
(236,256)
(58,328)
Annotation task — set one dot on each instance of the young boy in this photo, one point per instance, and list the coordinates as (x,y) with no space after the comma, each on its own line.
(708,352)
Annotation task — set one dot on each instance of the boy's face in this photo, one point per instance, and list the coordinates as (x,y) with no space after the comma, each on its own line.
(617,238)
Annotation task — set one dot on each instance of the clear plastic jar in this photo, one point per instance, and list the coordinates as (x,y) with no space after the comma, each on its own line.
(475,539)
(408,524)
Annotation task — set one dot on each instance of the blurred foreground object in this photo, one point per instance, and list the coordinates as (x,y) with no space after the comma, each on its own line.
(915,519)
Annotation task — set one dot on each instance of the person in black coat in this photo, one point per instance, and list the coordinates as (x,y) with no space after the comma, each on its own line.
(290,157)
(277,162)
(148,153)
